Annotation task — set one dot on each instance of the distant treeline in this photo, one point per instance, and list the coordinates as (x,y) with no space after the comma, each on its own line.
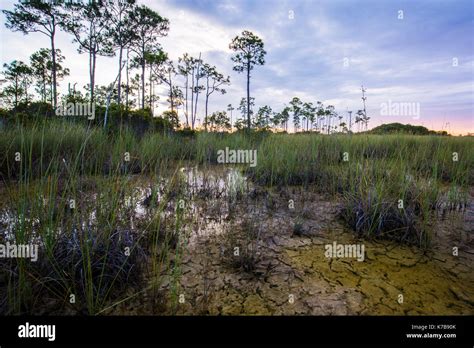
(140,120)
(132,32)
(391,128)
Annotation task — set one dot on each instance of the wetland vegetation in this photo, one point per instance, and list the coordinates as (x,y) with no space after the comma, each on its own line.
(144,197)
(133,233)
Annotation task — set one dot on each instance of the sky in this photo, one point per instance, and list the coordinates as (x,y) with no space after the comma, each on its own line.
(414,58)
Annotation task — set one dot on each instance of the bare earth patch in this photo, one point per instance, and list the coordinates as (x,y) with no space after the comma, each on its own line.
(292,275)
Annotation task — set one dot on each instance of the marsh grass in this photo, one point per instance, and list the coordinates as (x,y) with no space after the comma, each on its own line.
(241,245)
(373,174)
(90,251)
(82,248)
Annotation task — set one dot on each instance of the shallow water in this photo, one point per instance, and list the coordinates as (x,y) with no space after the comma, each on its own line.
(292,274)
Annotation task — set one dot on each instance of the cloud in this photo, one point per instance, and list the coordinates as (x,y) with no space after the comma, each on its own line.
(307,44)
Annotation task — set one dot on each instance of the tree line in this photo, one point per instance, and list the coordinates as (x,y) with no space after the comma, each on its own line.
(132,33)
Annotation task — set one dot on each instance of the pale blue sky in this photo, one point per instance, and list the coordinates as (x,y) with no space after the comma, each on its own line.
(307,43)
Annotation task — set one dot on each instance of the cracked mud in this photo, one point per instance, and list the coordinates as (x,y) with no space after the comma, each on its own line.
(289,273)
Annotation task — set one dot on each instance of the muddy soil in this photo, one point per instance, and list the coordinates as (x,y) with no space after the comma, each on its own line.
(286,271)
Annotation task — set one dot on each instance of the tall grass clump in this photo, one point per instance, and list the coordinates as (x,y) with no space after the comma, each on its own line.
(208,144)
(163,151)
(39,150)
(374,175)
(82,240)
(389,204)
(70,194)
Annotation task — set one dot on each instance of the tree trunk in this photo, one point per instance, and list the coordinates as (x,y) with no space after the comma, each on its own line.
(207,102)
(197,86)
(143,76)
(196,100)
(53,55)
(90,77)
(119,87)
(16,91)
(151,90)
(205,118)
(26,92)
(248,94)
(138,94)
(128,83)
(171,93)
(44,87)
(192,99)
(186,96)
(93,78)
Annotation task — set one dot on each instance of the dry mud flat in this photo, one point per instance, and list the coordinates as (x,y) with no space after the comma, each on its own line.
(289,274)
